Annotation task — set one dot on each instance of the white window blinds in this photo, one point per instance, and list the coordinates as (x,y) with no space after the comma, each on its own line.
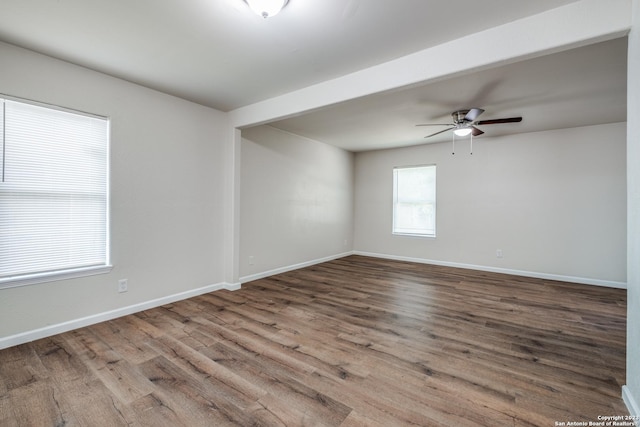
(414,200)
(53,191)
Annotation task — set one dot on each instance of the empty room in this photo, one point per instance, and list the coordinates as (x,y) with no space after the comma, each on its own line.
(319,213)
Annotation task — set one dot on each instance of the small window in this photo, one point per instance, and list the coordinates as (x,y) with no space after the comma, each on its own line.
(414,200)
(53,193)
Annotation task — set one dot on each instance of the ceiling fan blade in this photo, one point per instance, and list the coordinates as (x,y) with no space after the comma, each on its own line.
(435,124)
(497,121)
(434,134)
(475,131)
(473,114)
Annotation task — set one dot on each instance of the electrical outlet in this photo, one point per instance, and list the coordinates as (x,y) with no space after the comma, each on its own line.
(123,285)
(498,253)
(251,260)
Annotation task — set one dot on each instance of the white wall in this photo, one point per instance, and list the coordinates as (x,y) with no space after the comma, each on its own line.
(296,201)
(632,389)
(553,202)
(166,185)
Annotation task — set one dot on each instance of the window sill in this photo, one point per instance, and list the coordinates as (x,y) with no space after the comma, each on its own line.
(32,279)
(427,236)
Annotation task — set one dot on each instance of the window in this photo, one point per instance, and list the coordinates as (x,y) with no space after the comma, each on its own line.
(53,193)
(414,200)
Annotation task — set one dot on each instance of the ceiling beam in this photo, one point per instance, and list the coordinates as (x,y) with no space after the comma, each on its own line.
(576,24)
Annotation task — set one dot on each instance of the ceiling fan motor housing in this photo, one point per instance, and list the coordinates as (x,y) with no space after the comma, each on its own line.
(458,116)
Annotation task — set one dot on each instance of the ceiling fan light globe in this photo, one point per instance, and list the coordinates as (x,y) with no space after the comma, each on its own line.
(462,131)
(267,8)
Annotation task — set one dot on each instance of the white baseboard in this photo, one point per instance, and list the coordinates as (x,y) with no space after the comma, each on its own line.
(630,401)
(279,270)
(59,328)
(233,286)
(561,278)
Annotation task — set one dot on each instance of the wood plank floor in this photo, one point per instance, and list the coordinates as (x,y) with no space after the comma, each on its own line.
(353,342)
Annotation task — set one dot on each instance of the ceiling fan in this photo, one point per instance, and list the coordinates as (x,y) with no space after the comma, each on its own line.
(464,122)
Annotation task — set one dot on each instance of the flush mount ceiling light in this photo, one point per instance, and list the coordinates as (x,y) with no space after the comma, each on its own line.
(267,8)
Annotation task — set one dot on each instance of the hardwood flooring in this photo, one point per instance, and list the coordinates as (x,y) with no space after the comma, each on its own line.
(352,342)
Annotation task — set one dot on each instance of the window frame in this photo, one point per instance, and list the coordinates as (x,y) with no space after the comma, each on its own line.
(394,228)
(24,279)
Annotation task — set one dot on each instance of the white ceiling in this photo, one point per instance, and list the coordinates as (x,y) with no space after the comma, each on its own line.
(579,87)
(219,54)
